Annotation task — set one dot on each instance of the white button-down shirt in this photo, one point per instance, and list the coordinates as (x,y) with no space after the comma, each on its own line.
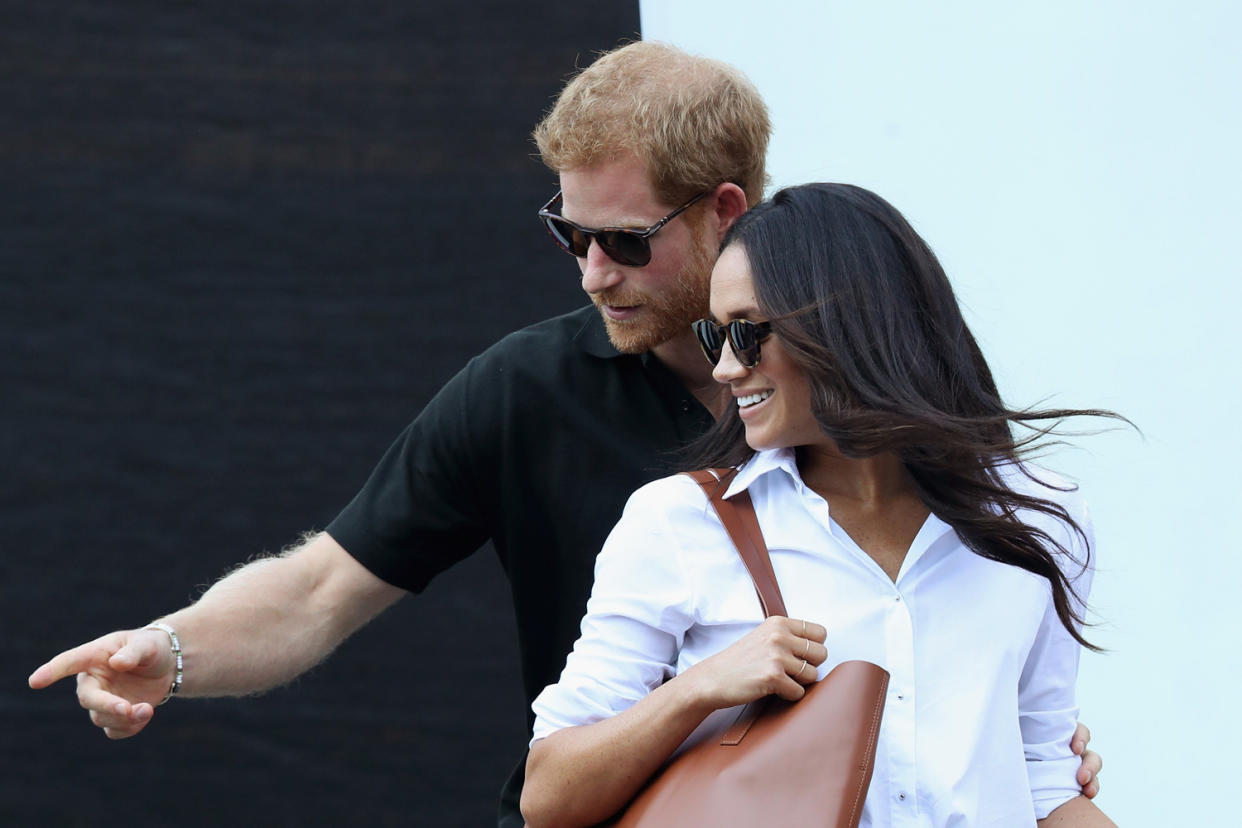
(981,707)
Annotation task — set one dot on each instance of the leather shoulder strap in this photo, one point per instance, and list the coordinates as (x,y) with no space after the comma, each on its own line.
(739,519)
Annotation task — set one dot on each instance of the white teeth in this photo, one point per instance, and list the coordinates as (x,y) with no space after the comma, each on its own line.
(752,399)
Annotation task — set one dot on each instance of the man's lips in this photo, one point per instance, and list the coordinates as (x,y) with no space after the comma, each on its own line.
(620,313)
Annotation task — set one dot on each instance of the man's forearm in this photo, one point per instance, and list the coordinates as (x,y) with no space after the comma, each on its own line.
(273,619)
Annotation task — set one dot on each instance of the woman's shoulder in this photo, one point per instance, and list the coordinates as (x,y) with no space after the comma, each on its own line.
(663,521)
(1064,494)
(675,495)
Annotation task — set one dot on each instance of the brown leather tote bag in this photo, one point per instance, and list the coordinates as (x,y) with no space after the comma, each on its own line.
(804,763)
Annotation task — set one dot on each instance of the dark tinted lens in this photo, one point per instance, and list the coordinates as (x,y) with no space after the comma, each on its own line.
(566,236)
(709,339)
(625,248)
(744,337)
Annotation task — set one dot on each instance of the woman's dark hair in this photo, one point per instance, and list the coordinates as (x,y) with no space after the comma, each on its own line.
(860,302)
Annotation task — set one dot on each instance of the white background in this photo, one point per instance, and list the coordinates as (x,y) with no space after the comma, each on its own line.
(1075,166)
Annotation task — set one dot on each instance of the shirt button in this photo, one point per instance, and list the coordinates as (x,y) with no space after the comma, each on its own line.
(902,797)
(900,697)
(898,598)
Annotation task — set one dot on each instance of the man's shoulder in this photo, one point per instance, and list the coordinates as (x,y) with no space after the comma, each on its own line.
(571,336)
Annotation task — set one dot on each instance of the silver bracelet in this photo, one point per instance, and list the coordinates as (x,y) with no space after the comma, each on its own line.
(176,651)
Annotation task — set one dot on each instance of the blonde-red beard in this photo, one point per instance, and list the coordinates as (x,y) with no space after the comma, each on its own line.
(665,315)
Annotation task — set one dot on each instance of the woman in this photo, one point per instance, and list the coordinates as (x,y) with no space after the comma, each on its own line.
(902,527)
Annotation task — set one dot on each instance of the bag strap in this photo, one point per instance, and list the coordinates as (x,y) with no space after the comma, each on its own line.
(739,519)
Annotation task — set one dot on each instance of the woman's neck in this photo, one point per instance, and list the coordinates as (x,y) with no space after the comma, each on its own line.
(868,480)
(873,499)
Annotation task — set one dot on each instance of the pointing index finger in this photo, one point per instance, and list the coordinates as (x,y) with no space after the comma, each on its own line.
(70,662)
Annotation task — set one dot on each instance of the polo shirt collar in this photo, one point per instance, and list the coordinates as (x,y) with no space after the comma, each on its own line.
(592,338)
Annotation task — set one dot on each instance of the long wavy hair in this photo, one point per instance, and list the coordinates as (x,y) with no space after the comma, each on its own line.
(860,302)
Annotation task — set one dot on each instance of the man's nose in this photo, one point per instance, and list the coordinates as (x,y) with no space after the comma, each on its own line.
(599,272)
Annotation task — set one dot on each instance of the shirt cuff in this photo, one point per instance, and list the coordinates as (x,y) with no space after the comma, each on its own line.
(1053,783)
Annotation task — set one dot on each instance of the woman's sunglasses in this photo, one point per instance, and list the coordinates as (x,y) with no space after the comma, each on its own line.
(744,338)
(625,246)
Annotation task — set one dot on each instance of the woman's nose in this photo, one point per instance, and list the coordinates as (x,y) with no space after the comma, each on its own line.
(728,369)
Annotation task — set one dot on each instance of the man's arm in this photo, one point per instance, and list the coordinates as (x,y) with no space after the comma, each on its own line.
(260,626)
(1092,763)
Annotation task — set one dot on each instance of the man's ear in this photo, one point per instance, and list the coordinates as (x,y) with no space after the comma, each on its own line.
(729,204)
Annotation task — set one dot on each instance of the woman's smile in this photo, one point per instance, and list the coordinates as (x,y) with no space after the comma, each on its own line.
(749,402)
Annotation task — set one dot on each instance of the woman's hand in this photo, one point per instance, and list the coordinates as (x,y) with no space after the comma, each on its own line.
(779,656)
(580,775)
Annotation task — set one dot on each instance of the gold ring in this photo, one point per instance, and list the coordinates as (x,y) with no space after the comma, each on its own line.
(806,646)
(800,669)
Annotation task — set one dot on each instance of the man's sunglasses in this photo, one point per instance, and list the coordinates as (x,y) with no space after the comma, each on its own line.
(744,338)
(624,245)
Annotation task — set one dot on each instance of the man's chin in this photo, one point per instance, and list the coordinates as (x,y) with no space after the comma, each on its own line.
(647,329)
(630,337)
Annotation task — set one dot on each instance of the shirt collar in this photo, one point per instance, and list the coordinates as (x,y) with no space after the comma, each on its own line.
(785,460)
(762,463)
(592,338)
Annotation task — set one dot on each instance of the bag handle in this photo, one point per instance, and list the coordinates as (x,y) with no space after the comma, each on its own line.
(739,519)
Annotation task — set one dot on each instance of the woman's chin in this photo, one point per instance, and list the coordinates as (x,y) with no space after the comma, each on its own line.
(759,441)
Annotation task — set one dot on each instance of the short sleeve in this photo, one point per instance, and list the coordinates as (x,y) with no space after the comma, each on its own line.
(1047,704)
(421,510)
(640,608)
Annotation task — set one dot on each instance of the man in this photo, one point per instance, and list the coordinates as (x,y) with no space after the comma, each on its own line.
(536,444)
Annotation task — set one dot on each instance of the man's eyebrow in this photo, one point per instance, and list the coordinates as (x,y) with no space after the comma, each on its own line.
(623,223)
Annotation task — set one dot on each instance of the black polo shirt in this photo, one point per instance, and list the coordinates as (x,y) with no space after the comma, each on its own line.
(535,445)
